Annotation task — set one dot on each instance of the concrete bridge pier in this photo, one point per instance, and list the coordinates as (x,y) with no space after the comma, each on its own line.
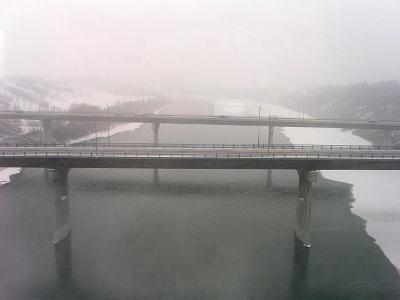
(62,220)
(155,127)
(271,136)
(46,138)
(388,138)
(46,128)
(270,144)
(303,210)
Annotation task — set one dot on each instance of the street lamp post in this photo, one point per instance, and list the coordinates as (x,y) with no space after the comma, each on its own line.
(301,105)
(269,131)
(95,129)
(259,121)
(300,109)
(108,125)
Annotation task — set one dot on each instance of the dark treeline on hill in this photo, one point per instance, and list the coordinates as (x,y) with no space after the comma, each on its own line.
(377,101)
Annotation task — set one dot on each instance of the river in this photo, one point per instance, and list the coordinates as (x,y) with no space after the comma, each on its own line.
(197,234)
(376,193)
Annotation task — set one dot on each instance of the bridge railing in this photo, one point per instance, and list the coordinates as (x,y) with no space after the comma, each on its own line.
(218,146)
(63,154)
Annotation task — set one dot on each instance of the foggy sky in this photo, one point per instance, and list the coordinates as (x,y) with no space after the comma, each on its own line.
(201,44)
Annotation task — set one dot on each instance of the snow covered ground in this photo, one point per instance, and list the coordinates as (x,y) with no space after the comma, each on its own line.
(6,173)
(59,100)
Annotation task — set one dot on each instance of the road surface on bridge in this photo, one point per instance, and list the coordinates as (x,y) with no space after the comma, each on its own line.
(200,158)
(205,120)
(197,151)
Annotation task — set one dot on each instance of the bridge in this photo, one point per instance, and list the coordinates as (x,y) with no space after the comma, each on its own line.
(306,159)
(46,119)
(204,120)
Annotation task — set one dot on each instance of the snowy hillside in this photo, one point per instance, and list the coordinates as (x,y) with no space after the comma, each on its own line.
(27,94)
(377,101)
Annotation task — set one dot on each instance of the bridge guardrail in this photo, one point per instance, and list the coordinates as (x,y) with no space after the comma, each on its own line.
(199,154)
(228,146)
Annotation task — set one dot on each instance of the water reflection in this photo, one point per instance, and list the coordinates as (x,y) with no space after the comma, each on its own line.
(63,263)
(269,179)
(299,281)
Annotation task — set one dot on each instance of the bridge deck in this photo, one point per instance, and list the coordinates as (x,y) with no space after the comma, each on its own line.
(205,120)
(319,157)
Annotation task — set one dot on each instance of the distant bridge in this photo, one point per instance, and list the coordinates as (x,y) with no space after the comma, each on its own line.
(47,118)
(204,120)
(306,159)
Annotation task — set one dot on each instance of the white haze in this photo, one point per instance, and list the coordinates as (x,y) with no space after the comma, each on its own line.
(201,44)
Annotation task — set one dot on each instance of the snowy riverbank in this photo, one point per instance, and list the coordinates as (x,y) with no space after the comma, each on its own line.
(6,173)
(376,193)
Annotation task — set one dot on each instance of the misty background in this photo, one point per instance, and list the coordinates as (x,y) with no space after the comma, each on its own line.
(197,233)
(202,45)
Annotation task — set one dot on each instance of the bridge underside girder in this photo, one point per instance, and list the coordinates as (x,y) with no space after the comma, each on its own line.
(199,163)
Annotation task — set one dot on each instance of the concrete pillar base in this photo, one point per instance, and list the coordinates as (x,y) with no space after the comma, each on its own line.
(62,220)
(46,127)
(62,232)
(271,135)
(155,127)
(303,210)
(388,138)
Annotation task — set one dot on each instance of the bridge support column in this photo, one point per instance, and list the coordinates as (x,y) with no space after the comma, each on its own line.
(46,138)
(46,128)
(62,221)
(303,210)
(388,138)
(155,127)
(271,130)
(271,136)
